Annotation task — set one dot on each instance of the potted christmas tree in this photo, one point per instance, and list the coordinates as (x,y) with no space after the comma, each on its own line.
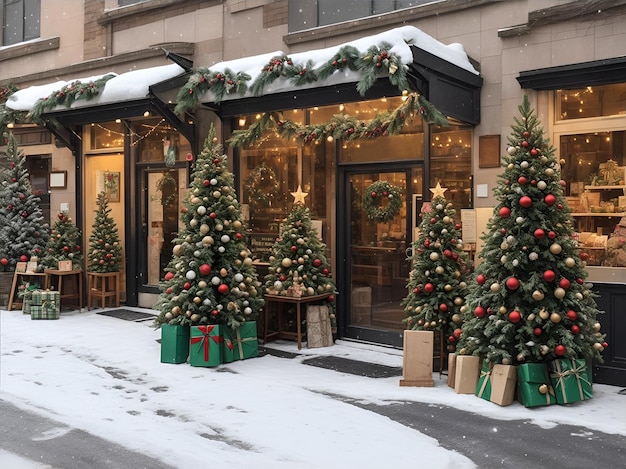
(529,304)
(210,287)
(299,268)
(436,286)
(104,258)
(63,244)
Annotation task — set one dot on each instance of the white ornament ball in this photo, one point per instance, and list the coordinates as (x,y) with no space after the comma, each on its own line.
(439,207)
(215,280)
(193,222)
(190,275)
(570,262)
(524,164)
(219,227)
(201,210)
(213,182)
(519,220)
(247,310)
(495,287)
(221,249)
(434,256)
(439,269)
(541,185)
(511,150)
(238,277)
(533,256)
(217,194)
(503,259)
(225,238)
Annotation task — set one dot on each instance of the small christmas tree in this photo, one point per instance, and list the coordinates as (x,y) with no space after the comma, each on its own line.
(23,230)
(436,283)
(63,244)
(211,278)
(298,264)
(530,302)
(105,251)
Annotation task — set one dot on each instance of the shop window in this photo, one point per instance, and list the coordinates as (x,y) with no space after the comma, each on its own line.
(594,172)
(408,145)
(20,21)
(106,136)
(451,162)
(272,170)
(592,101)
(157,141)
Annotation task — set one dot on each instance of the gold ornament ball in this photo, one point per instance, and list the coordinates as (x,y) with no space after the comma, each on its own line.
(596,326)
(543,314)
(495,287)
(544,349)
(197,300)
(447,287)
(177,250)
(456,318)
(598,346)
(286,262)
(543,388)
(433,323)
(223,272)
(537,295)
(237,224)
(439,269)
(555,248)
(168,316)
(555,318)
(458,301)
(502,309)
(176,310)
(463,309)
(204,228)
(195,317)
(202,284)
(570,262)
(531,316)
(559,293)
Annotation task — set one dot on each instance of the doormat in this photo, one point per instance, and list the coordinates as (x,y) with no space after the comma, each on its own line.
(354,367)
(128,315)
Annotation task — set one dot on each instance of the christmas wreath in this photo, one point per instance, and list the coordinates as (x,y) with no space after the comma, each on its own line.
(372,201)
(261,185)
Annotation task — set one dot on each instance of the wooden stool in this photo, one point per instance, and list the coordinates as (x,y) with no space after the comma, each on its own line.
(14,286)
(78,274)
(103,285)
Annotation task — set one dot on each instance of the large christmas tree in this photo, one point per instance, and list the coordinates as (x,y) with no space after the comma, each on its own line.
(437,286)
(23,230)
(64,244)
(298,264)
(105,250)
(211,278)
(530,301)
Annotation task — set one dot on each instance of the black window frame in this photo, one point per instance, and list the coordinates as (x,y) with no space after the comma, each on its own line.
(30,26)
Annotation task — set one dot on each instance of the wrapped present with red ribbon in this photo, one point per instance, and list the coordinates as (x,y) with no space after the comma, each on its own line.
(245,341)
(570,380)
(205,345)
(228,348)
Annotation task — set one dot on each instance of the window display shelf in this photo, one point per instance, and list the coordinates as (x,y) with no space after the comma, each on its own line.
(599,214)
(605,188)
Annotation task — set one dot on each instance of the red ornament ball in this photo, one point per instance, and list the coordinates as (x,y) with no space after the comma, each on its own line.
(417,290)
(457,333)
(525,144)
(443,307)
(605,344)
(480,278)
(317,262)
(447,253)
(479,312)
(526,134)
(187,286)
(521,180)
(549,275)
(551,234)
(222,289)
(215,312)
(373,194)
(515,317)
(564,283)
(294,248)
(549,199)
(4,261)
(169,276)
(575,329)
(23,258)
(560,350)
(505,212)
(212,214)
(534,152)
(429,288)
(433,220)
(325,271)
(571,315)
(539,233)
(512,283)
(205,269)
(525,201)
(66,248)
(537,331)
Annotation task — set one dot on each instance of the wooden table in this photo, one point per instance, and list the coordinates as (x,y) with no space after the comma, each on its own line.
(281,300)
(14,286)
(103,285)
(60,274)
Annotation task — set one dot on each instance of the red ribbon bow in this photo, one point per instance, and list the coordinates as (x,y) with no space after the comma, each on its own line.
(205,339)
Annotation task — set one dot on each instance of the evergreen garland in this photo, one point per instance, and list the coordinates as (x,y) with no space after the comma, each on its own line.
(377,59)
(278,66)
(68,94)
(346,57)
(342,126)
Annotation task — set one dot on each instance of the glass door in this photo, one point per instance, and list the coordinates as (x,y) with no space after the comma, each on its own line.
(379,230)
(163,191)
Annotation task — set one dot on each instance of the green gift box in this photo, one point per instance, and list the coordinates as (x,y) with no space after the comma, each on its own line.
(228,347)
(174,343)
(27,301)
(37,297)
(245,342)
(205,345)
(483,389)
(570,380)
(41,312)
(533,385)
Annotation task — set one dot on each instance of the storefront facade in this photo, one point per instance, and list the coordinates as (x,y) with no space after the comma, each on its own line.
(514,46)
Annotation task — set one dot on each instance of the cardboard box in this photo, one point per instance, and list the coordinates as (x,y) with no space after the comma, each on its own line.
(451,369)
(174,343)
(417,361)
(318,328)
(503,383)
(467,371)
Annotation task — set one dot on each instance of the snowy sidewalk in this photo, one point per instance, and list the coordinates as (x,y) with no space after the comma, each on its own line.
(103,375)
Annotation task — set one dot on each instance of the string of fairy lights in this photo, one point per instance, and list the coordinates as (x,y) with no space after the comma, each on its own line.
(136,138)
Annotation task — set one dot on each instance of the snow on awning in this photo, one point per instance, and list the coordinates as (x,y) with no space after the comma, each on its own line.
(127,86)
(401,40)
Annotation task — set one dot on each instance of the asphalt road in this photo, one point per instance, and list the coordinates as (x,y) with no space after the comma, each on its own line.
(518,444)
(55,445)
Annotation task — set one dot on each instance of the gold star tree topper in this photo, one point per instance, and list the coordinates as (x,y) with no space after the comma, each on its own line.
(299,195)
(438,191)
